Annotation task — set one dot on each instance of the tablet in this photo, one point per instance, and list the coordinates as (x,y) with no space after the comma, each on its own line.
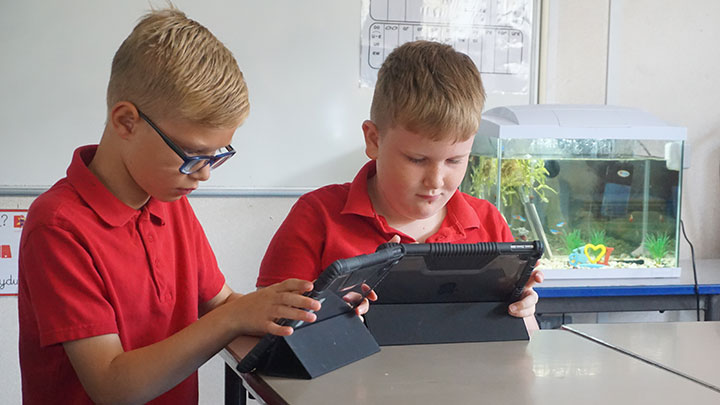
(340,288)
(447,272)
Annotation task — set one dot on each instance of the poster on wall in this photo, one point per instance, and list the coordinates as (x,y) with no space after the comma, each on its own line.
(11,224)
(496,34)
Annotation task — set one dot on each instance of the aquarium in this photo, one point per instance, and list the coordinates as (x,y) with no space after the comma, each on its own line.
(600,186)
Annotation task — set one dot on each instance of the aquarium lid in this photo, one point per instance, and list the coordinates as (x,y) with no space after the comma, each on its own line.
(576,122)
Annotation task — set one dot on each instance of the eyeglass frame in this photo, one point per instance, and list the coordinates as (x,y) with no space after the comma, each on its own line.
(190,161)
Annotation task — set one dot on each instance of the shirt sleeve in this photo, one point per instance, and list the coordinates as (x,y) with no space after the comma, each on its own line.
(68,294)
(295,250)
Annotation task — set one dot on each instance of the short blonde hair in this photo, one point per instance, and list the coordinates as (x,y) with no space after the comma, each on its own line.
(170,64)
(431,89)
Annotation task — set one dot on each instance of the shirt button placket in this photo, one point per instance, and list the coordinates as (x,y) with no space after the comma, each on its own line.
(152,252)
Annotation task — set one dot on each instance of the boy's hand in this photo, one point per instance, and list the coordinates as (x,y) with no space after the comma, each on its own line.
(365,305)
(525,306)
(258,311)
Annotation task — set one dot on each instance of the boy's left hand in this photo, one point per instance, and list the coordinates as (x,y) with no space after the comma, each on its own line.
(525,306)
(365,306)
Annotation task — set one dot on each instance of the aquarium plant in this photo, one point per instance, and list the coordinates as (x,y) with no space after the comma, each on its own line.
(573,240)
(597,237)
(657,245)
(518,176)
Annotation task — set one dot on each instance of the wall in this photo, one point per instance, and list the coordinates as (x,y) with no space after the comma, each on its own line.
(573,28)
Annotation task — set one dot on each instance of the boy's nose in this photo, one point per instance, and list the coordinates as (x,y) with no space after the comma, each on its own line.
(433,178)
(202,174)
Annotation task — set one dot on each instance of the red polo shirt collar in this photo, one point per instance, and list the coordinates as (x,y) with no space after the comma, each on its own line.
(460,214)
(108,207)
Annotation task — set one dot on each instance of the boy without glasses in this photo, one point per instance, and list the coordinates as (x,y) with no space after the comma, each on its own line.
(115,269)
(424,115)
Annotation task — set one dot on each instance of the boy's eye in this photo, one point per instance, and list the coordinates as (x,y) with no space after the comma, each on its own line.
(416,160)
(454,161)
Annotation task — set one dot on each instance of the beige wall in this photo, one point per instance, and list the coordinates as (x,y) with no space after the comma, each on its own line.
(574,51)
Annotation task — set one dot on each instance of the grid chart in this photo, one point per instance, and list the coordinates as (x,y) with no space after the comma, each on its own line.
(497,50)
(472,12)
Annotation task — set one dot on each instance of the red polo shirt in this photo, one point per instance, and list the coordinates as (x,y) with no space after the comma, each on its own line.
(339,221)
(90,265)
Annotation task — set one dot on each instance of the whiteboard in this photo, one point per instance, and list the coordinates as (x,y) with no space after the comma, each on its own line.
(301,60)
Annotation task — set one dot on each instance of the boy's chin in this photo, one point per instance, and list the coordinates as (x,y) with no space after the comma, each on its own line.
(168,198)
(423,214)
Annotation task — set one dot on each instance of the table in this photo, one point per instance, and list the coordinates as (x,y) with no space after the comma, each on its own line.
(689,349)
(555,367)
(643,294)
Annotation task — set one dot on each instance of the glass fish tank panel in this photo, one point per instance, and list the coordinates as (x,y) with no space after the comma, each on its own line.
(596,203)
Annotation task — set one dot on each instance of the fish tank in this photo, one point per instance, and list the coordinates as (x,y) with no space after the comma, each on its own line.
(600,186)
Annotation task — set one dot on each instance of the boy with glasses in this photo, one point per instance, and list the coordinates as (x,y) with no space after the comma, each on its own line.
(424,115)
(120,295)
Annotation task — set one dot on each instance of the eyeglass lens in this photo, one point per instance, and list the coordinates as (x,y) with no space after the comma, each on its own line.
(195,165)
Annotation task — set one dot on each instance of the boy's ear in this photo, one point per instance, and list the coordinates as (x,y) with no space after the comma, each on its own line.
(124,119)
(372,139)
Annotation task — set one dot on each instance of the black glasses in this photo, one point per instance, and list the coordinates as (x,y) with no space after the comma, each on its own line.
(192,164)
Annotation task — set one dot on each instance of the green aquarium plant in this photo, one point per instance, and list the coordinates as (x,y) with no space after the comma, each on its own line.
(598,237)
(517,175)
(658,245)
(573,240)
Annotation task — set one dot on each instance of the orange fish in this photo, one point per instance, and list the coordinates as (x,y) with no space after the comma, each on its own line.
(631,218)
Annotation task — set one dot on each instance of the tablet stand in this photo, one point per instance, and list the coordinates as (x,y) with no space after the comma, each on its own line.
(429,323)
(320,347)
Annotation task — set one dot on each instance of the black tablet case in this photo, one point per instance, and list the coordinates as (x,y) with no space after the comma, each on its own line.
(450,293)
(412,308)
(338,336)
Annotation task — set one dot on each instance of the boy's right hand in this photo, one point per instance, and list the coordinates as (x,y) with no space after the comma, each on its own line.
(257,312)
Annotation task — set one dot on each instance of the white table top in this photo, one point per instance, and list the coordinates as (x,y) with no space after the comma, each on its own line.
(688,348)
(555,367)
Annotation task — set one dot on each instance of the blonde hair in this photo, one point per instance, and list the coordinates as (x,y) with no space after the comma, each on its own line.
(431,89)
(170,64)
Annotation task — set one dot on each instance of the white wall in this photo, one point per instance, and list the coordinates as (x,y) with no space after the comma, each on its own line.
(664,68)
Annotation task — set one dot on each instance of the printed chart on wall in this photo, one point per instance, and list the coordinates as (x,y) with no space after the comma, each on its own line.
(496,34)
(11,224)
